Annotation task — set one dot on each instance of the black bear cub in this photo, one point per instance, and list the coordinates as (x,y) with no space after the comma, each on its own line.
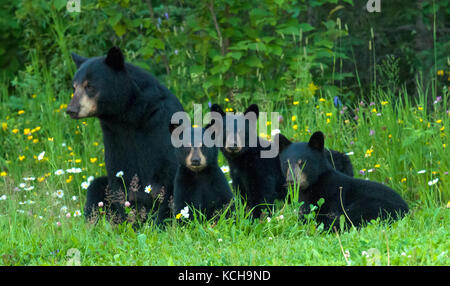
(339,161)
(358,200)
(199,182)
(259,180)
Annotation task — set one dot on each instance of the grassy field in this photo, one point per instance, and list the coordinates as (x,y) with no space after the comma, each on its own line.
(48,159)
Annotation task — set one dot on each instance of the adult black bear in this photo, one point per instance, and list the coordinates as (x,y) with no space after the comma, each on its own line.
(134,110)
(259,180)
(358,200)
(199,182)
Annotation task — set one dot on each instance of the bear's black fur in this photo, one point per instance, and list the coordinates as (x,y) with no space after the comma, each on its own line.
(134,110)
(259,180)
(358,200)
(199,182)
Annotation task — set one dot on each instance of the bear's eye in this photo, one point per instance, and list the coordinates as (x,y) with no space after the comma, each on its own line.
(89,87)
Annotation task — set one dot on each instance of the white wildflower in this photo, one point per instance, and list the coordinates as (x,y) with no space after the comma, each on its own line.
(185,212)
(41,156)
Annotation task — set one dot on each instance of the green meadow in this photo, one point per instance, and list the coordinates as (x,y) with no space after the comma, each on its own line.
(392,133)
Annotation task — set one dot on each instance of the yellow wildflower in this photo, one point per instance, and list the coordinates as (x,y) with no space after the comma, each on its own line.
(329,114)
(440,72)
(227,100)
(3,174)
(439,121)
(312,88)
(15,131)
(296,102)
(377,166)
(50,139)
(322,99)
(178,216)
(93,160)
(77,160)
(41,179)
(420,108)
(26,131)
(374,110)
(68,180)
(21,157)
(328,120)
(384,102)
(295,127)
(443,128)
(20,112)
(403,180)
(293,118)
(4,126)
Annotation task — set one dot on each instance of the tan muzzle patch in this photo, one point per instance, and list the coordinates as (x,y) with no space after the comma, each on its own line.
(196,160)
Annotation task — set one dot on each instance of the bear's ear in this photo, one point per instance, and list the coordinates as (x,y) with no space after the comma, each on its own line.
(317,141)
(115,59)
(253,108)
(78,60)
(216,108)
(283,142)
(173,126)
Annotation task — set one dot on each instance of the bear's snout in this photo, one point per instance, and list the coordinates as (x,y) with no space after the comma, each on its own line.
(73,111)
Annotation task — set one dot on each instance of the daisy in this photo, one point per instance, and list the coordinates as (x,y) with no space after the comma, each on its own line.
(350,153)
(100,204)
(22,185)
(59,193)
(185,212)
(59,172)
(148,189)
(41,156)
(77,213)
(74,170)
(2,198)
(421,171)
(74,198)
(29,179)
(64,209)
(29,188)
(119,174)
(225,169)
(90,179)
(432,182)
(127,204)
(275,132)
(85,185)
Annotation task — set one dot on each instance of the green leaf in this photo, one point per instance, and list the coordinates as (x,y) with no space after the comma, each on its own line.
(120,29)
(253,61)
(115,19)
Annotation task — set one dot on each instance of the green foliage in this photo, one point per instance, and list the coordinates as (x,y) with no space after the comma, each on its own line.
(240,51)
